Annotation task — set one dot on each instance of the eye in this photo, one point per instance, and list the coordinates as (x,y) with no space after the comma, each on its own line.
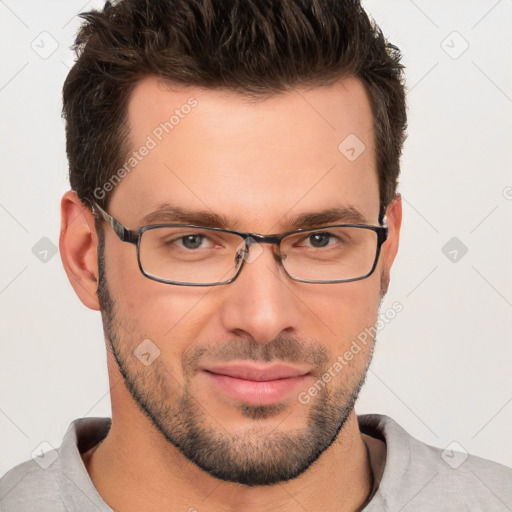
(320,239)
(192,241)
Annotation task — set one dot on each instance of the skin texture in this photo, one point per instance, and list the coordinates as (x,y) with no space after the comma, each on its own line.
(259,164)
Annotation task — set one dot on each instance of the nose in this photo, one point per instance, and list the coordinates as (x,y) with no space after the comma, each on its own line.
(261,302)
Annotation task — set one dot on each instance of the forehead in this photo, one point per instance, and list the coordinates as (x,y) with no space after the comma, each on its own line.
(258,163)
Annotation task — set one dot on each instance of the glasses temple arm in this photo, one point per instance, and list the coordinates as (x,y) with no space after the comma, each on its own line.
(123,233)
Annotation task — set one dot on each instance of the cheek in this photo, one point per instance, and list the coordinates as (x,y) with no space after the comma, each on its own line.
(147,308)
(340,312)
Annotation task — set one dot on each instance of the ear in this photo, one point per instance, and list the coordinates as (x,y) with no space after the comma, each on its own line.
(394,223)
(78,244)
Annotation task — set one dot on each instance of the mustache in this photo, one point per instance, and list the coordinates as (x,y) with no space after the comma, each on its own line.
(286,349)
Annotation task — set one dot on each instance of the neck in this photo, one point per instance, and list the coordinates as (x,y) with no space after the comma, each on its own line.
(136,469)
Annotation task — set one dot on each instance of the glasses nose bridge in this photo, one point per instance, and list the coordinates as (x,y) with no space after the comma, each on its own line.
(273,240)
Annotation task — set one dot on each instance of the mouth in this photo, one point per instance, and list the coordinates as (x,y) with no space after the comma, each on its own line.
(257,384)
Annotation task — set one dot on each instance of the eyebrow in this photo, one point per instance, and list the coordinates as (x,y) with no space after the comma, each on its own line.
(178,215)
(345,215)
(167,213)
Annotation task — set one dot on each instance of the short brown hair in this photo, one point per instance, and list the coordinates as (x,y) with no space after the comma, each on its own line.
(254,47)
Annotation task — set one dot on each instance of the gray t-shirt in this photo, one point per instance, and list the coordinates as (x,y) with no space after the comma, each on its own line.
(417,477)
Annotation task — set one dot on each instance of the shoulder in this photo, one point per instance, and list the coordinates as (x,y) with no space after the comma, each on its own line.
(28,486)
(56,480)
(418,476)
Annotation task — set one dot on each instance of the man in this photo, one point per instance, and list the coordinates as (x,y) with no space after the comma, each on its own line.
(234,217)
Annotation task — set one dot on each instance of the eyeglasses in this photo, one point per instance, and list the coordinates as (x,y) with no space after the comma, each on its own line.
(188,255)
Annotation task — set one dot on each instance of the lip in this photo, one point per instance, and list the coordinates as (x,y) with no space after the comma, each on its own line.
(257,372)
(257,384)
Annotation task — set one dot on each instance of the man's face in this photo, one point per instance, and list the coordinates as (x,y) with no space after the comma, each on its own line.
(259,165)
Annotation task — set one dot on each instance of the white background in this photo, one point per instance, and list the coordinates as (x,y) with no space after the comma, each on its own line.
(442,366)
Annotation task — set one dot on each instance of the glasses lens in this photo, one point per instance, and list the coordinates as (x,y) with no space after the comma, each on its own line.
(330,254)
(190,255)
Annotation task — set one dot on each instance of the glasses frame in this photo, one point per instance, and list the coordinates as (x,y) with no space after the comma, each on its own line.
(135,236)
